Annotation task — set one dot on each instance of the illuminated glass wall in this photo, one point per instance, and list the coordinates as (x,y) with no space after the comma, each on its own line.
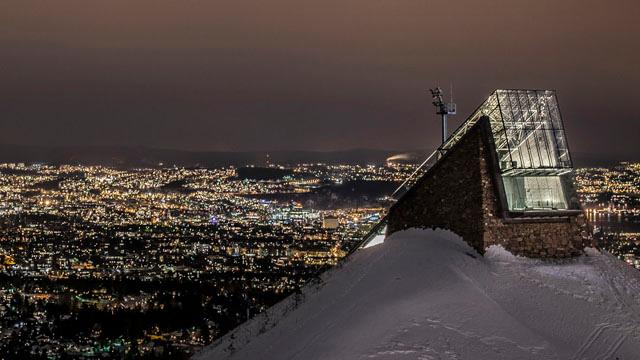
(534,192)
(528,130)
(531,147)
(530,144)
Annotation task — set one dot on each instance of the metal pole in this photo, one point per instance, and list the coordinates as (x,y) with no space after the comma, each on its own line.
(444,128)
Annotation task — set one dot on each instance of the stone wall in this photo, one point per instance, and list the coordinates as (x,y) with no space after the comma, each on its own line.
(448,197)
(461,193)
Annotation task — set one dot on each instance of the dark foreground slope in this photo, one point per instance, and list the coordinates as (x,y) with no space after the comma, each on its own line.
(427,295)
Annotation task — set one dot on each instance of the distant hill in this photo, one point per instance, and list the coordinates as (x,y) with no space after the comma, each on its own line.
(150,157)
(141,156)
(351,194)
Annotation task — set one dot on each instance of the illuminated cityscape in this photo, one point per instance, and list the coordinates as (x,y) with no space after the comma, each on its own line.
(99,262)
(611,198)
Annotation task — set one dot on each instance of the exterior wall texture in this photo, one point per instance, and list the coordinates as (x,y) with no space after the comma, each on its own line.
(460,193)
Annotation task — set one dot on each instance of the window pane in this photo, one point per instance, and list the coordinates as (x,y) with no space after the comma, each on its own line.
(534,192)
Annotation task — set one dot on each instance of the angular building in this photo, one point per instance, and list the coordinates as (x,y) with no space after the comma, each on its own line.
(503,177)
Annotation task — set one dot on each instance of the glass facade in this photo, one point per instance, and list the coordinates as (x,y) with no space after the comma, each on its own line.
(527,130)
(530,144)
(534,192)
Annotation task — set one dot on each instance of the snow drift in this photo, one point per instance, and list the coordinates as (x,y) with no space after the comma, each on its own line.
(425,294)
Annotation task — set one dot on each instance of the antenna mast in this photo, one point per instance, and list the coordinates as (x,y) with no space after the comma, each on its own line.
(443,109)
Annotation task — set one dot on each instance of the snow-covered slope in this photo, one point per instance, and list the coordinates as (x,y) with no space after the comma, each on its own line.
(425,294)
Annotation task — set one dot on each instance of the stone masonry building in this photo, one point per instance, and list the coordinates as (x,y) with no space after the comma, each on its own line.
(503,177)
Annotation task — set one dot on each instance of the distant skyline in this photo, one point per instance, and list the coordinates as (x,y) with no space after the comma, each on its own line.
(290,75)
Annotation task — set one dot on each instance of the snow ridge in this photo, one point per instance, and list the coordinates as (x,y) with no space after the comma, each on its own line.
(425,294)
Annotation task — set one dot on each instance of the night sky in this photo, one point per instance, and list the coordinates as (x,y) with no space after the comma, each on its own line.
(315,75)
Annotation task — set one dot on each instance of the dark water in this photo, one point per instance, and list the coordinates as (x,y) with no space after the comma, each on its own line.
(612,223)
